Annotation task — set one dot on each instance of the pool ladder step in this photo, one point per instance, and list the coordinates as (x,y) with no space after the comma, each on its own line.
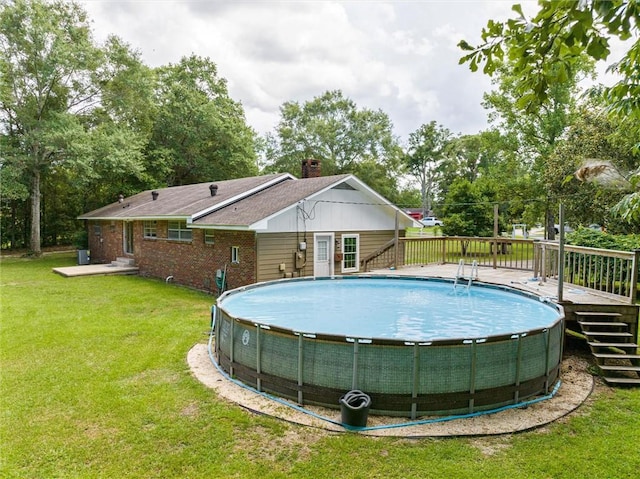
(619,365)
(460,274)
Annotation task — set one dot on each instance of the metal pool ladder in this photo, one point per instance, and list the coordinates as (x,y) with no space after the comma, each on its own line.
(460,274)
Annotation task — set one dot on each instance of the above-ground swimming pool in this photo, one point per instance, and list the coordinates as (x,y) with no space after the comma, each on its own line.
(416,346)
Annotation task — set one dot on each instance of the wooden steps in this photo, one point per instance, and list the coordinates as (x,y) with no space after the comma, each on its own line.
(615,344)
(626,381)
(612,346)
(606,367)
(610,334)
(616,356)
(608,324)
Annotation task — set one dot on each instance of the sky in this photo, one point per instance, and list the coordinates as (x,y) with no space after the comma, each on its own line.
(400,57)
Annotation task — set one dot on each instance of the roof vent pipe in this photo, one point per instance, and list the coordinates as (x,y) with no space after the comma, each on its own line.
(155,195)
(214,189)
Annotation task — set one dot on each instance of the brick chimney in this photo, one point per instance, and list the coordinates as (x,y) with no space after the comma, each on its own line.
(311,168)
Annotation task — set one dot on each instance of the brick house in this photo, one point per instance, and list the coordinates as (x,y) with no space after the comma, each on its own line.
(256,229)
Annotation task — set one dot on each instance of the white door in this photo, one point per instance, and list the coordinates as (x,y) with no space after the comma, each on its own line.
(322,255)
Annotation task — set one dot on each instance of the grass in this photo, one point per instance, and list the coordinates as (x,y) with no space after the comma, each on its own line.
(480,249)
(94,384)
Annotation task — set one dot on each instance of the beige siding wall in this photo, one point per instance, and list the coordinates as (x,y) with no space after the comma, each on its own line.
(275,249)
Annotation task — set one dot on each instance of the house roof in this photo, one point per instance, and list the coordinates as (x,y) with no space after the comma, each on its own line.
(182,202)
(238,203)
(268,201)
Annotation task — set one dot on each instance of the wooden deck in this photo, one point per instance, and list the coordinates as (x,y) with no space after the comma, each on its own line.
(518,279)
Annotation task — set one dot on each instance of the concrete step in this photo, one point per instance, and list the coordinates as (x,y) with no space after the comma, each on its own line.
(124,262)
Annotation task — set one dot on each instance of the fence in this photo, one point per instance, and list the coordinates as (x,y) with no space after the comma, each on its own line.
(607,271)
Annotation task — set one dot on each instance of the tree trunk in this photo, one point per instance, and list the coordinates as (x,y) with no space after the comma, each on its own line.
(34,243)
(423,194)
(550,226)
(14,224)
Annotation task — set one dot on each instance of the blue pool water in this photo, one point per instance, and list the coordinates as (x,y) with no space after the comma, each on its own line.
(405,309)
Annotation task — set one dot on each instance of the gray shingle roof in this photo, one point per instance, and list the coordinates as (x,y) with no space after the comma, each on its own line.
(267,202)
(189,200)
(180,201)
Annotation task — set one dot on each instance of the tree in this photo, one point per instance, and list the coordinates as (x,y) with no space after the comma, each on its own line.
(200,133)
(593,135)
(599,150)
(471,156)
(331,128)
(534,133)
(466,211)
(14,194)
(426,151)
(548,49)
(52,76)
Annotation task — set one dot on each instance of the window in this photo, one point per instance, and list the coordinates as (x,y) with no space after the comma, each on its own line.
(150,229)
(208,237)
(350,253)
(178,231)
(322,250)
(97,230)
(235,254)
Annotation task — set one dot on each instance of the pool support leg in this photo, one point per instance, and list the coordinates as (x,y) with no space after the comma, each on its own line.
(416,378)
(300,366)
(472,378)
(516,394)
(258,362)
(354,379)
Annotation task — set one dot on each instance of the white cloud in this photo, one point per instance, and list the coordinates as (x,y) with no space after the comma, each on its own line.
(400,57)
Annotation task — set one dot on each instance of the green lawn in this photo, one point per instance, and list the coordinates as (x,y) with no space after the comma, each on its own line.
(94,383)
(480,249)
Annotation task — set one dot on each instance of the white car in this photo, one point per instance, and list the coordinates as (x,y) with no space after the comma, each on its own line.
(430,221)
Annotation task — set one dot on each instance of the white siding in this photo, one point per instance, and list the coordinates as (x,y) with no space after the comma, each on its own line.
(335,210)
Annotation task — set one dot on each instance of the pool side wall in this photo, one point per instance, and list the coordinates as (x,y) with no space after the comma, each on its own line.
(440,377)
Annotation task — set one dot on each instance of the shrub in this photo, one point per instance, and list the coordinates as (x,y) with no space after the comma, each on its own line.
(600,239)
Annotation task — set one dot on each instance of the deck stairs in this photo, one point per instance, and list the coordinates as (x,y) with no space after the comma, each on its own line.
(613,347)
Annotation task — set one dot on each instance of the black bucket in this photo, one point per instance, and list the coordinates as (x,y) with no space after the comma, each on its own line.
(354,407)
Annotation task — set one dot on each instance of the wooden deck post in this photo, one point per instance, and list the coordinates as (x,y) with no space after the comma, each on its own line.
(444,250)
(633,287)
(396,242)
(561,256)
(495,236)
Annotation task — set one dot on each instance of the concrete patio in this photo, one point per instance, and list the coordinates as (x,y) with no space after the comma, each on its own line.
(95,269)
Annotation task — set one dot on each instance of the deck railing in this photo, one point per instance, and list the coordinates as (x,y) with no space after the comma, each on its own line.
(607,271)
(383,257)
(496,252)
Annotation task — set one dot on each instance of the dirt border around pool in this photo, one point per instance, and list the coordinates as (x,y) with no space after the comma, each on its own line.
(576,386)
